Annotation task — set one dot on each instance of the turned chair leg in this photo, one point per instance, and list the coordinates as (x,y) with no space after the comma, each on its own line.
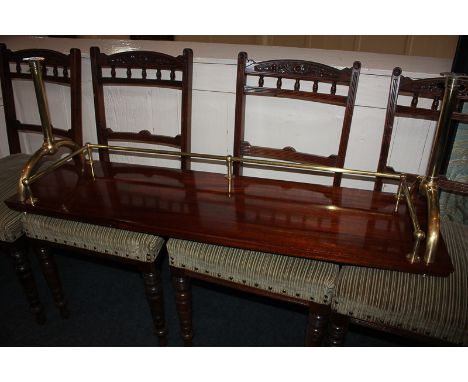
(50,272)
(337,329)
(154,295)
(183,297)
(24,273)
(316,325)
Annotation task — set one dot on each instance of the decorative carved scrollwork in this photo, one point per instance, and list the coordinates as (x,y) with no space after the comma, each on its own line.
(143,59)
(428,87)
(296,68)
(52,58)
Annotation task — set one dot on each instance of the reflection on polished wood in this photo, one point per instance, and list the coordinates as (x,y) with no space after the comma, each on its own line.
(343,225)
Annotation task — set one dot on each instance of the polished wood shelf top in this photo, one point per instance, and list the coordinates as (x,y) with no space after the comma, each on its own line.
(337,224)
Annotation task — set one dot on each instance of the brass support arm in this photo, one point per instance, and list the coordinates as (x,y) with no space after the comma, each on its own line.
(49,145)
(429,186)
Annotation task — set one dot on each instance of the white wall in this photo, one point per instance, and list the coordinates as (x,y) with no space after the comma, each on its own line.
(309,127)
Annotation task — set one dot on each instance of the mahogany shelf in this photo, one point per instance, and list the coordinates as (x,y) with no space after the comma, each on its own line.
(336,224)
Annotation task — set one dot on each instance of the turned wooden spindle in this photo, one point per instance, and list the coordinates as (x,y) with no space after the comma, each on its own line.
(261,81)
(315,86)
(297,85)
(279,83)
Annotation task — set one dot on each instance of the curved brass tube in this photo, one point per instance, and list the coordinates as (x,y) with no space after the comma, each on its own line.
(431,192)
(49,146)
(36,72)
(44,150)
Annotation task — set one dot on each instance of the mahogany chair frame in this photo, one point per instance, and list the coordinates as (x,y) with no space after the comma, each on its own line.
(143,60)
(133,60)
(297,70)
(71,68)
(429,88)
(290,69)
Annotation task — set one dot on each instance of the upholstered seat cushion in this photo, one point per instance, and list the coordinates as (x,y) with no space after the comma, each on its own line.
(116,242)
(429,305)
(10,170)
(296,277)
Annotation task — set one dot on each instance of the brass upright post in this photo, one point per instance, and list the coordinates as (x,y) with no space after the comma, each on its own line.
(49,145)
(429,186)
(441,135)
(35,66)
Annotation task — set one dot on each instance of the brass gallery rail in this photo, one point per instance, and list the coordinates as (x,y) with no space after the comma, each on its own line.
(404,192)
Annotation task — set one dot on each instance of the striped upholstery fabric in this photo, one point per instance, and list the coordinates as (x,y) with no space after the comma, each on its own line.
(428,305)
(10,169)
(116,242)
(300,278)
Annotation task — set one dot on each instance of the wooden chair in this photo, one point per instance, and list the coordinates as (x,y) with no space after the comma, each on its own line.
(133,248)
(297,280)
(431,89)
(59,69)
(427,308)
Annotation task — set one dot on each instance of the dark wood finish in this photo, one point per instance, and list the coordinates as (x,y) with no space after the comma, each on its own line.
(49,270)
(337,329)
(338,224)
(183,298)
(428,88)
(453,186)
(69,75)
(239,121)
(154,296)
(297,70)
(143,60)
(20,259)
(287,153)
(316,324)
(431,88)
